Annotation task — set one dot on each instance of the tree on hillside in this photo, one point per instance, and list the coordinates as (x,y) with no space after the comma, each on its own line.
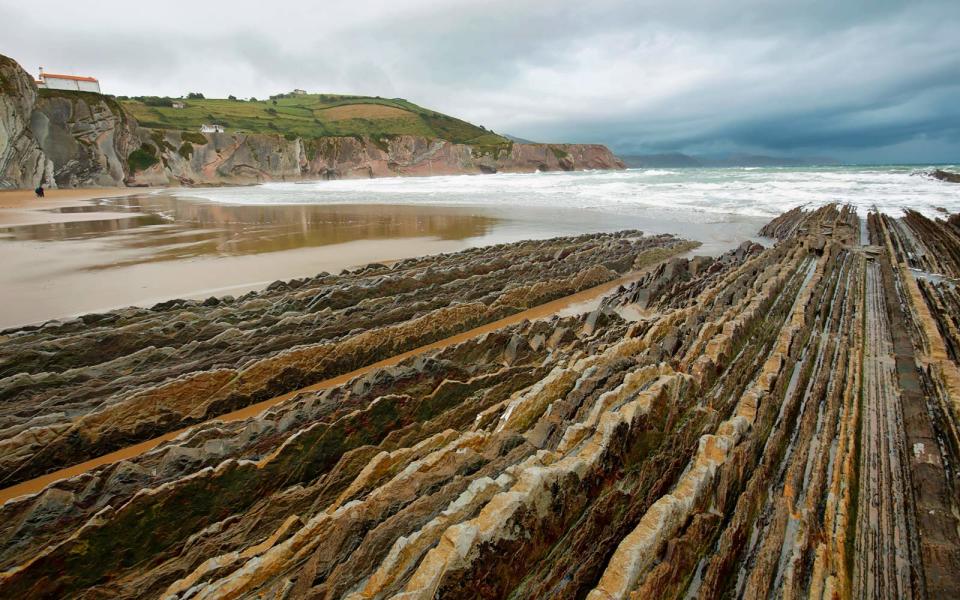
(155,101)
(195,96)
(231,97)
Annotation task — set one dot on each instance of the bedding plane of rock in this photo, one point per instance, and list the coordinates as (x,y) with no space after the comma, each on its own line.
(772,423)
(77,389)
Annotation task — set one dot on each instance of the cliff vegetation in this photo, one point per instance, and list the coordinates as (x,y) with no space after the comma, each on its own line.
(311,116)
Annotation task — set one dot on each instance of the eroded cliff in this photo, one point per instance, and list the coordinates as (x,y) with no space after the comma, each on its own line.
(22,163)
(74,139)
(195,159)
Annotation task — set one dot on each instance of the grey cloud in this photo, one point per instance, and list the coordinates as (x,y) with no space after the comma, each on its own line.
(854,77)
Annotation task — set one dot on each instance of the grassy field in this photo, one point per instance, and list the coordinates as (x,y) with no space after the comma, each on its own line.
(315,115)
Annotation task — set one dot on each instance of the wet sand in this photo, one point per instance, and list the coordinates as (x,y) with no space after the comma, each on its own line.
(140,250)
(82,251)
(574,303)
(22,207)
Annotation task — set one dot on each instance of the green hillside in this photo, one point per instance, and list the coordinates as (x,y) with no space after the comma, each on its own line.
(310,116)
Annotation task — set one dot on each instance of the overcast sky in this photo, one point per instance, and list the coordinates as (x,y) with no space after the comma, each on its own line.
(862,81)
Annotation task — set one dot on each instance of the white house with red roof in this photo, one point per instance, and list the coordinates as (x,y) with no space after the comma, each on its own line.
(68,82)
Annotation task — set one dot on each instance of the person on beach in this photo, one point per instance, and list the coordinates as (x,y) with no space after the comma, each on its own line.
(39,191)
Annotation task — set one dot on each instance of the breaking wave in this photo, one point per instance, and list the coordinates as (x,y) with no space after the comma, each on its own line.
(684,194)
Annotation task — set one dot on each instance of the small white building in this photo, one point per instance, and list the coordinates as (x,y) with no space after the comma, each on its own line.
(73,83)
(178,104)
(211,128)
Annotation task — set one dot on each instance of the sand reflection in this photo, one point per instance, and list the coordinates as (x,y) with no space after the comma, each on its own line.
(161,228)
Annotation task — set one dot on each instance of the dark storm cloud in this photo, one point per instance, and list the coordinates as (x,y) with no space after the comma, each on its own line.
(853,78)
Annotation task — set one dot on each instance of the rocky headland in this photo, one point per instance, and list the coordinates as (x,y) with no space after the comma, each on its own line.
(775,422)
(74,139)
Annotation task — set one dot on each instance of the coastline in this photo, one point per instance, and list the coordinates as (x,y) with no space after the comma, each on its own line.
(22,207)
(64,263)
(92,250)
(639,303)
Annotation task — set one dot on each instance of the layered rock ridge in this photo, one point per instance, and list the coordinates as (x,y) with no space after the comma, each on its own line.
(74,390)
(775,422)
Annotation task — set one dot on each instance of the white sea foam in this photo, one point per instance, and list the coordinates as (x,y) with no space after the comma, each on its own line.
(683,194)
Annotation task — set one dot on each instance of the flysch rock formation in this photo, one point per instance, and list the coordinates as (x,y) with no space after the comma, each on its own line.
(73,390)
(775,422)
(74,139)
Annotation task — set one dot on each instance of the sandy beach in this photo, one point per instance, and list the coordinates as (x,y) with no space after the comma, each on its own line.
(22,207)
(26,199)
(91,250)
(70,254)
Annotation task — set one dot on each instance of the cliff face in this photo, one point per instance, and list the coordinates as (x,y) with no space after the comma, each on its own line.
(208,159)
(70,139)
(86,138)
(22,163)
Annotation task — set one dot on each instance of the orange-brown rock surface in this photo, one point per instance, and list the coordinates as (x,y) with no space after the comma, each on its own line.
(775,422)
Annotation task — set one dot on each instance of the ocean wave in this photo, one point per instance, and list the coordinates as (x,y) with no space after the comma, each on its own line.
(756,192)
(649,172)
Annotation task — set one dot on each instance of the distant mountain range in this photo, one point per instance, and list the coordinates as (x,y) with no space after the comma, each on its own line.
(678,159)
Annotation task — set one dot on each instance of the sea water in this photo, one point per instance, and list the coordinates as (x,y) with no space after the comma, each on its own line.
(215,241)
(684,195)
